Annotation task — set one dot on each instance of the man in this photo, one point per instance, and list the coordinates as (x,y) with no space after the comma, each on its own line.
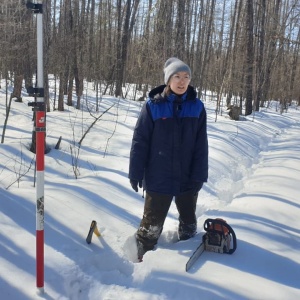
(169,155)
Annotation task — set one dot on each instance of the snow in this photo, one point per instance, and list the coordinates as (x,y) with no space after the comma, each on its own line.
(254,171)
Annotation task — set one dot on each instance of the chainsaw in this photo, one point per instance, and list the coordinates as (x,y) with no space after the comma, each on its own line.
(219,238)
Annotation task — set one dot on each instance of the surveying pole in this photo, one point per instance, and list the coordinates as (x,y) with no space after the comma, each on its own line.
(40,128)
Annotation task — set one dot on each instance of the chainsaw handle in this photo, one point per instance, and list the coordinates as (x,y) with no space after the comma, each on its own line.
(233,240)
(210,223)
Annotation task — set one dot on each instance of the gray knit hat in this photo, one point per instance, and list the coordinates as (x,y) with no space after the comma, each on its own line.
(174,65)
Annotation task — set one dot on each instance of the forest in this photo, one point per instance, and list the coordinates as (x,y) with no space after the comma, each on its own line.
(244,50)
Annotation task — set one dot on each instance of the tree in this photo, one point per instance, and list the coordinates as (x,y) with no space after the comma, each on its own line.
(123,40)
(250,56)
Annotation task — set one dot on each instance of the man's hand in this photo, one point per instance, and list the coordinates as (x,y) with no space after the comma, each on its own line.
(135,183)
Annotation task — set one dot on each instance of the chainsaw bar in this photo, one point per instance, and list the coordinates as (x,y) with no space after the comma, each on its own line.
(194,256)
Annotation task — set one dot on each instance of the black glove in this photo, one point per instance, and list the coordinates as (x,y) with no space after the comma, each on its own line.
(135,183)
(197,185)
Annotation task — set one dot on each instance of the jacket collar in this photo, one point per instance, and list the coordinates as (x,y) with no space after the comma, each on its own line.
(158,94)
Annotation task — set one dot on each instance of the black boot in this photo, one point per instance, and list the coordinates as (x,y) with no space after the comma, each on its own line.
(140,250)
(186,231)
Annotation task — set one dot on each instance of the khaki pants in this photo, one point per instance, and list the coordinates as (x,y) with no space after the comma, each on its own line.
(155,212)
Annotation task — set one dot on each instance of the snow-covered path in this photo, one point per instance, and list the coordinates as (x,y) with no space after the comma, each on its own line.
(266,218)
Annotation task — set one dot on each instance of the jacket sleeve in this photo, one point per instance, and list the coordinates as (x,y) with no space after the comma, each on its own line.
(141,144)
(200,159)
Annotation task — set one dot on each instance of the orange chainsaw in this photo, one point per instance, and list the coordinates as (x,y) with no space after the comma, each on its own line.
(219,238)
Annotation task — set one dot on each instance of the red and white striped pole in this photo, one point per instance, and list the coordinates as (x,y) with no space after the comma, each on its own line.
(40,129)
(40,158)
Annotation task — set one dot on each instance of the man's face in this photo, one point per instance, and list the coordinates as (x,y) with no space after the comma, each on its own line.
(179,82)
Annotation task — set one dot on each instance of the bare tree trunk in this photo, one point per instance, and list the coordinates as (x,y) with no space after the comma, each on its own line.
(18,80)
(180,28)
(79,40)
(260,56)
(118,90)
(79,86)
(294,64)
(250,55)
(197,63)
(60,104)
(125,38)
(8,105)
(274,20)
(70,92)
(207,44)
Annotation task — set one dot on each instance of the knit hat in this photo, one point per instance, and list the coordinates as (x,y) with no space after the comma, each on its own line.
(174,65)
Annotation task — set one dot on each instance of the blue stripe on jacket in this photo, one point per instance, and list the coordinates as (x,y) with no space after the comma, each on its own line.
(191,108)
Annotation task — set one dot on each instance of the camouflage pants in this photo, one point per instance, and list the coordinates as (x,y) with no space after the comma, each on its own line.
(155,212)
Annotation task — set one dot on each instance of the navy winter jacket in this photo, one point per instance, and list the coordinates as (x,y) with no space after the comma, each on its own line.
(169,146)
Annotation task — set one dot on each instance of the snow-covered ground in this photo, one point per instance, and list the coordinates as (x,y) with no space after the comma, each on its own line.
(254,177)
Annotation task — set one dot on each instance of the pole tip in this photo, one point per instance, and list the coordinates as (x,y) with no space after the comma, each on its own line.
(40,291)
